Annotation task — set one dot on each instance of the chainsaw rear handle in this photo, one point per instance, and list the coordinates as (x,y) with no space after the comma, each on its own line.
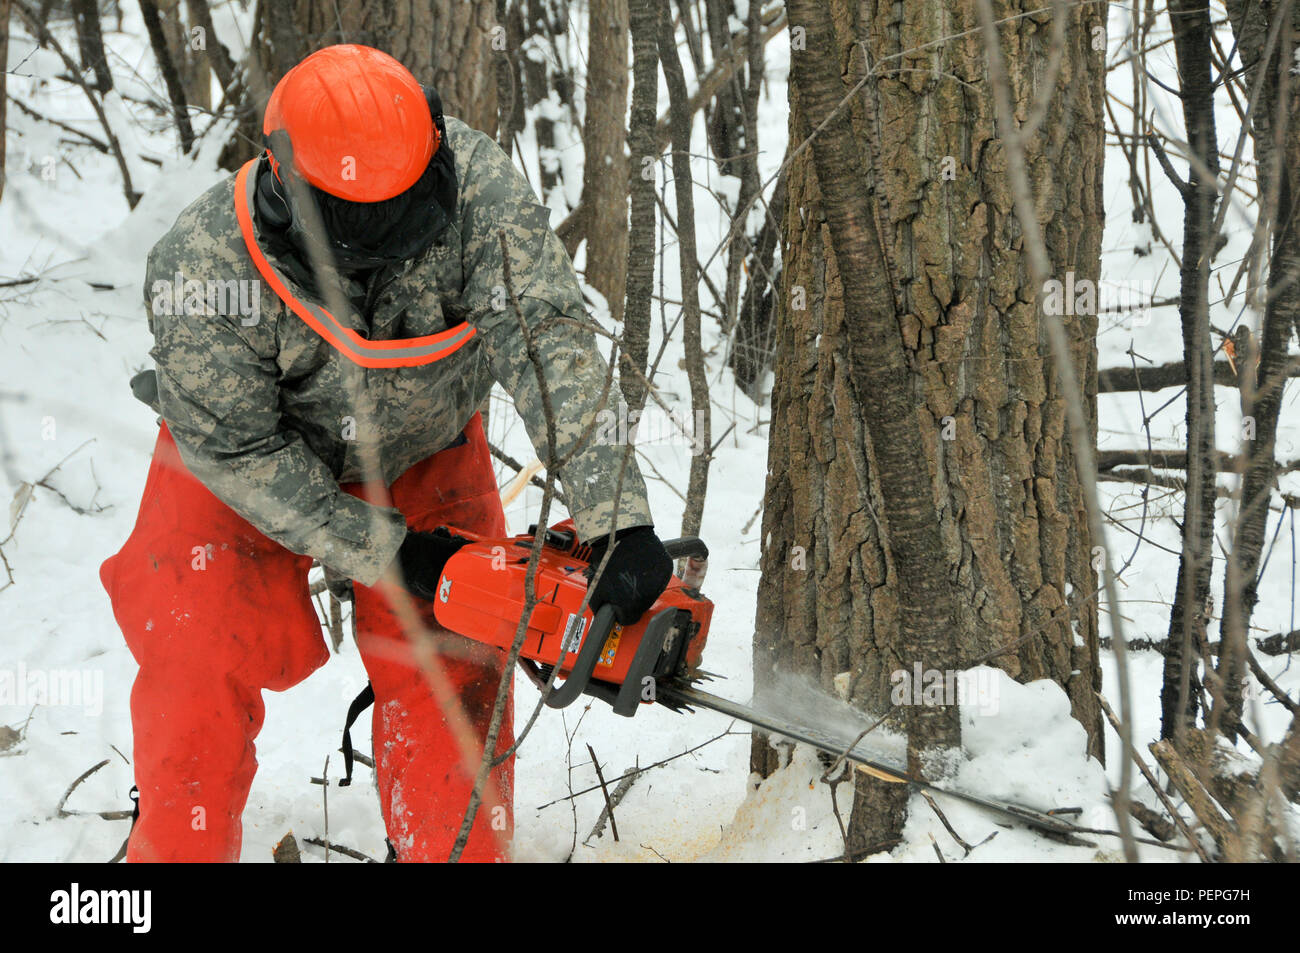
(564,695)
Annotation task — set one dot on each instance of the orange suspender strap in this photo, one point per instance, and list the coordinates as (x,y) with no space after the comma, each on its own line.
(403,352)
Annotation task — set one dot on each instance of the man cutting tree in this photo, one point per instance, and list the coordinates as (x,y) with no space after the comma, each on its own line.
(336,420)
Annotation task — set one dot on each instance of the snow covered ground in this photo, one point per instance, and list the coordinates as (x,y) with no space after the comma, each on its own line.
(76,447)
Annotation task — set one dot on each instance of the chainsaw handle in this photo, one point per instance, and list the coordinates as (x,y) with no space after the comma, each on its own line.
(563,695)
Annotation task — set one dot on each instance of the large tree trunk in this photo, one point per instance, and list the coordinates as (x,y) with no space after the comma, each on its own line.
(446,45)
(922,503)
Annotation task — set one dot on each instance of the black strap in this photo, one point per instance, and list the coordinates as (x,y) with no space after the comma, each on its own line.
(359,704)
(135,816)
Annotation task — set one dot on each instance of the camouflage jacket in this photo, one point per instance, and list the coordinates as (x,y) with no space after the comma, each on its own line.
(272,418)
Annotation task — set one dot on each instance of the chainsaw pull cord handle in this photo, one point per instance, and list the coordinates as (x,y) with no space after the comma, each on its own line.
(695,556)
(685,546)
(563,695)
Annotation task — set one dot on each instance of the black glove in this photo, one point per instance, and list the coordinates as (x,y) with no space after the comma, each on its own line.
(638,571)
(422,557)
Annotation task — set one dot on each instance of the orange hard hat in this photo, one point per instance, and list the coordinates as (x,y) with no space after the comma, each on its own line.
(357,121)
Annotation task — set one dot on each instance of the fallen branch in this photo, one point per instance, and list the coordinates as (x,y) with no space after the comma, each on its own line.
(1175,460)
(608,812)
(61,811)
(637,772)
(1119,379)
(1155,786)
(339,849)
(1198,800)
(1282,643)
(946,826)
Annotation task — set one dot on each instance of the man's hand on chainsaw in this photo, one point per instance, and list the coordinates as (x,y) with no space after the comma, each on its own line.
(638,571)
(422,557)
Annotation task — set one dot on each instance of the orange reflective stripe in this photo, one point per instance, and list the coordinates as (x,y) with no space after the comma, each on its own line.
(402,352)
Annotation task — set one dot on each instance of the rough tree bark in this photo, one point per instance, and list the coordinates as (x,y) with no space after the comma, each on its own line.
(922,501)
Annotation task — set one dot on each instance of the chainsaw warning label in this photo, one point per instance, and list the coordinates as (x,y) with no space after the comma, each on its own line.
(573,630)
(611,647)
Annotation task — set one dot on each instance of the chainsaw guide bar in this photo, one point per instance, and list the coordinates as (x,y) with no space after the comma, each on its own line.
(687,697)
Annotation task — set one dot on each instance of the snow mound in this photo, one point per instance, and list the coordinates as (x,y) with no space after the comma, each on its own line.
(1019,744)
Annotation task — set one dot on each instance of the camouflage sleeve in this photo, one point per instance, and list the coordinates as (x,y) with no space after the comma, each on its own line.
(496,198)
(217,388)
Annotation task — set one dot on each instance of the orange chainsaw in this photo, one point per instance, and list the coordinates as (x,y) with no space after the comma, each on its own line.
(481,595)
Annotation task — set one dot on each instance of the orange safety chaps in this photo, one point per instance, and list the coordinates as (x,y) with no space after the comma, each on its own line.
(214,612)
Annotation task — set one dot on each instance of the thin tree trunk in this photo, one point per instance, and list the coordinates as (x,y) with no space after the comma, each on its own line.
(684,188)
(1277,146)
(644,19)
(90,40)
(218,56)
(726,117)
(4,76)
(187,53)
(510,104)
(751,349)
(167,66)
(745,163)
(1179,696)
